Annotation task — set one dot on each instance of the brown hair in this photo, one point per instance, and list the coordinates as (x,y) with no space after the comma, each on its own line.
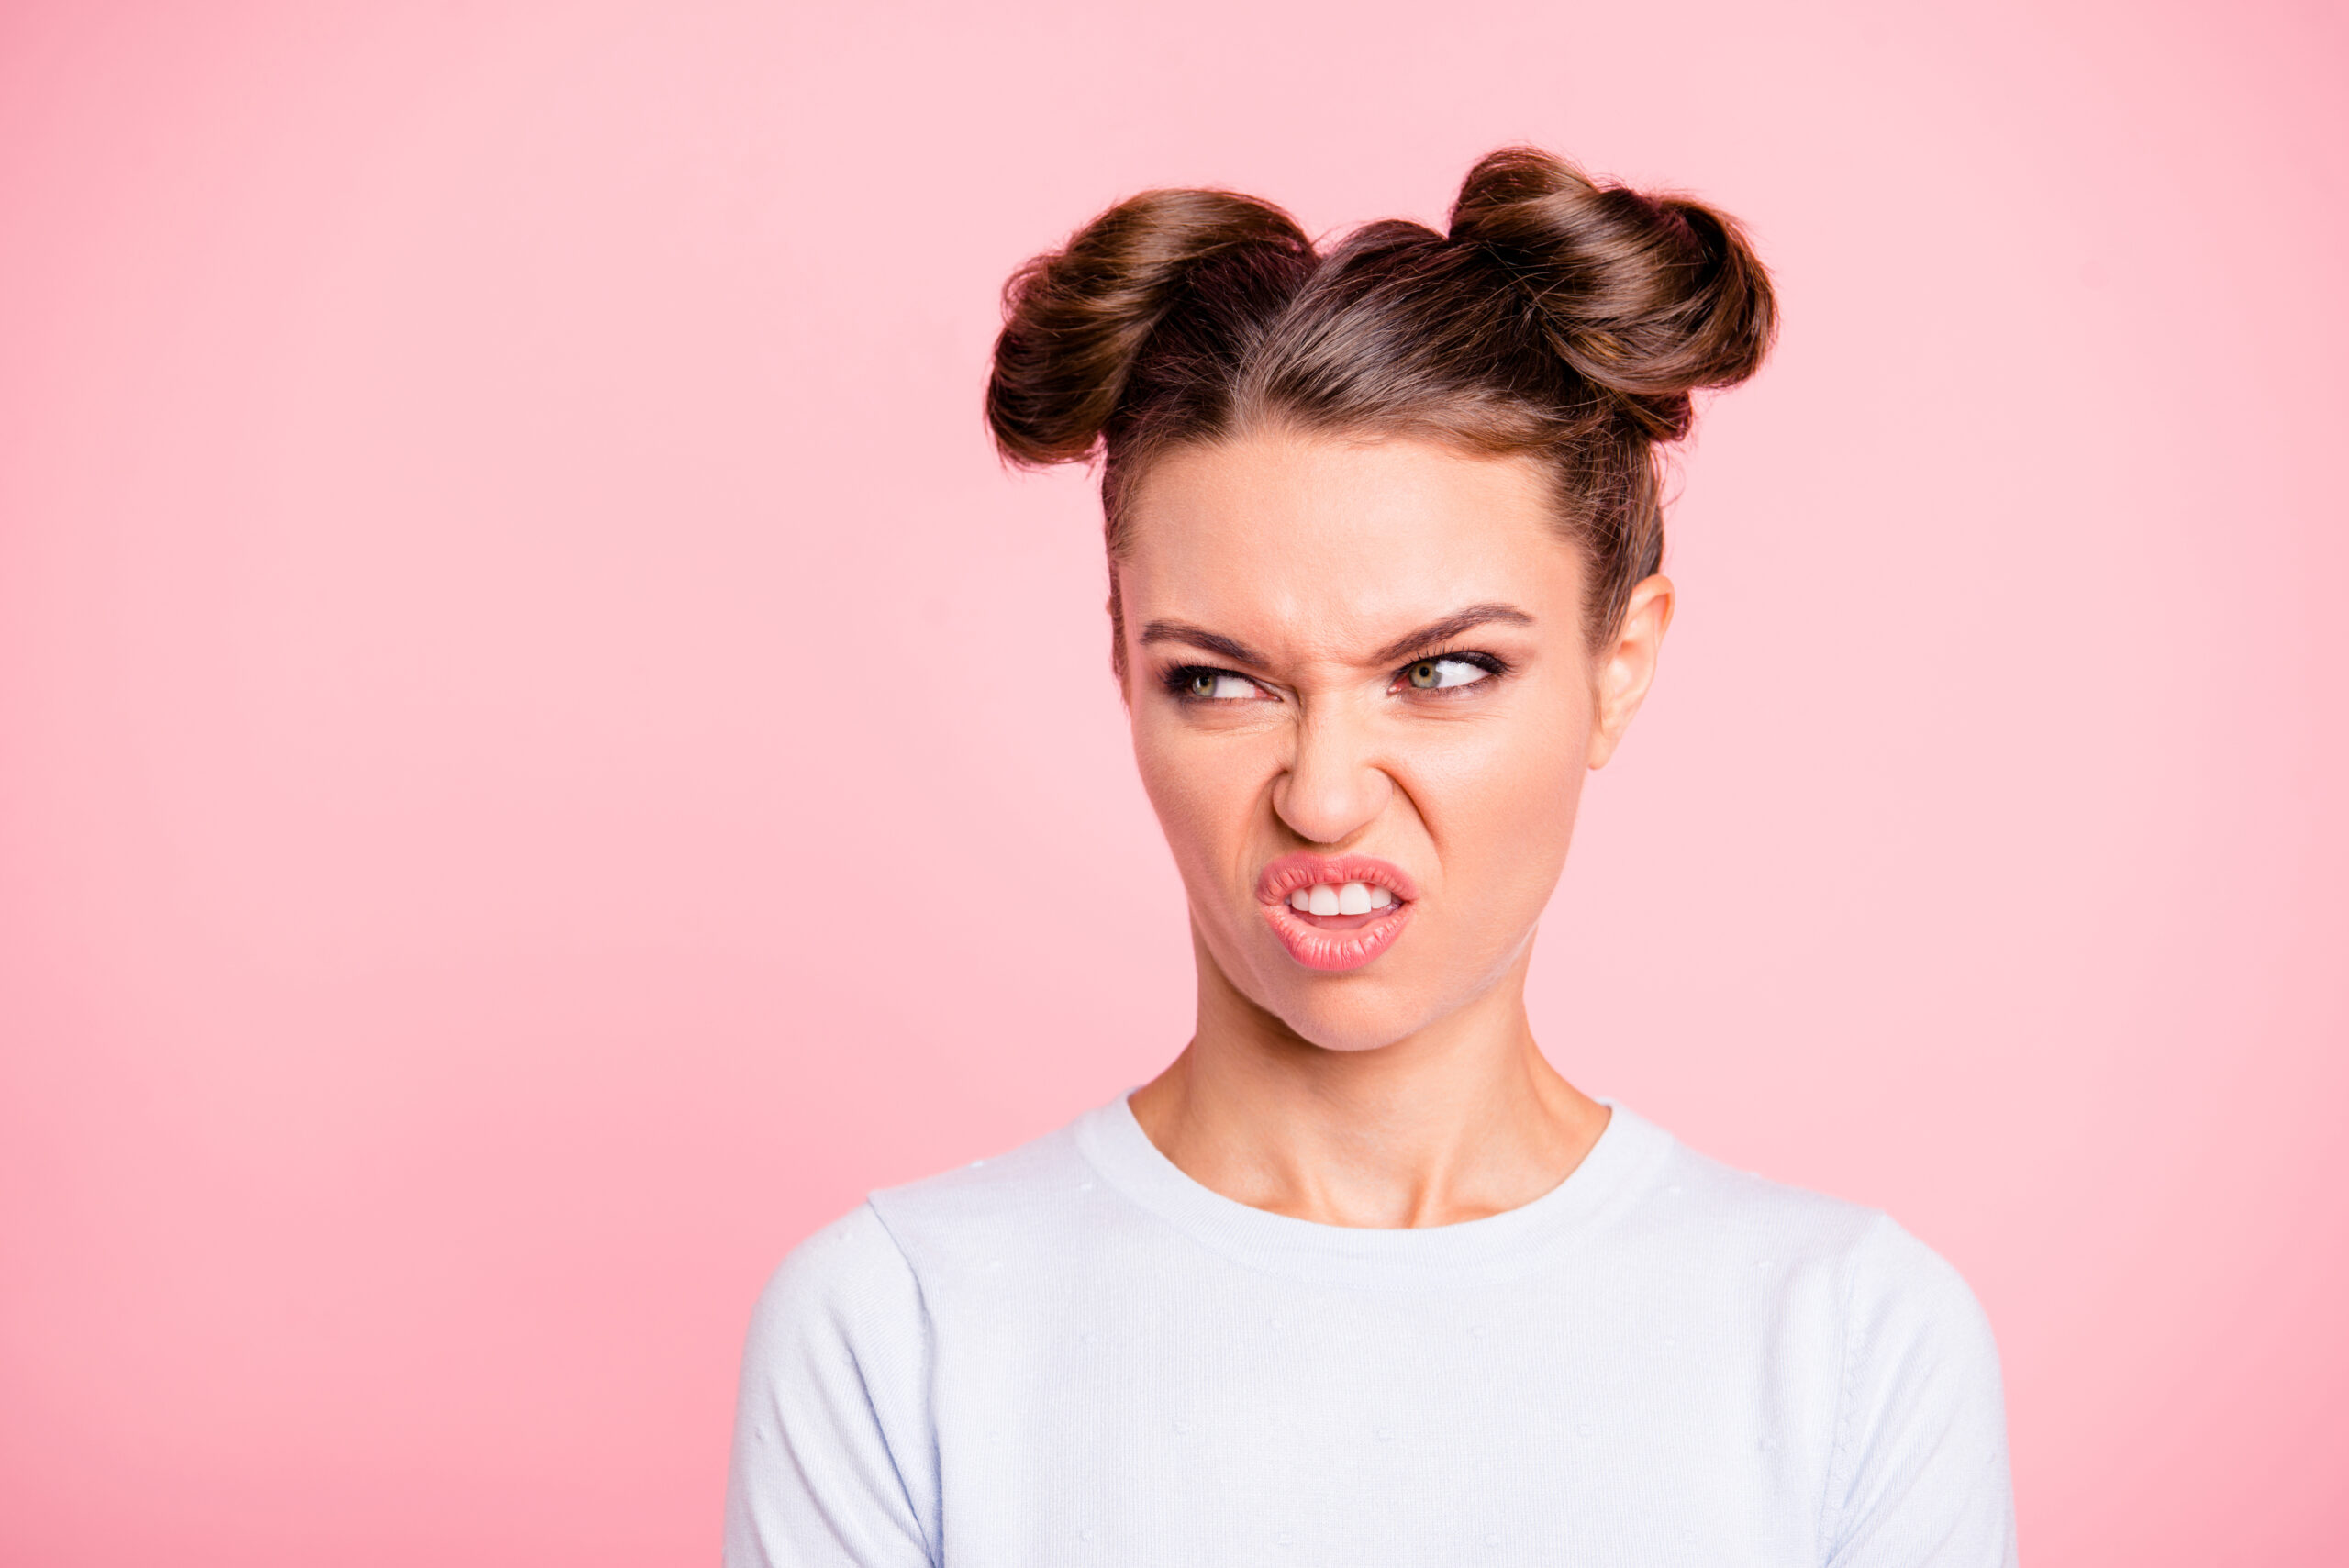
(1560,319)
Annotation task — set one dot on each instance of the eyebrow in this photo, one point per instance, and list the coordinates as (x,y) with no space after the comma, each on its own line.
(1451,626)
(1201,637)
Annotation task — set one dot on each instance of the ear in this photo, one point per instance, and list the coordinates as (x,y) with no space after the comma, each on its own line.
(1624,668)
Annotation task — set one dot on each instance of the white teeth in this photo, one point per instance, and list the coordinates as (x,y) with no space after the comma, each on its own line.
(1353,898)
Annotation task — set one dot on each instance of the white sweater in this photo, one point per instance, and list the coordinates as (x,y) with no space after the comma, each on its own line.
(1076,1354)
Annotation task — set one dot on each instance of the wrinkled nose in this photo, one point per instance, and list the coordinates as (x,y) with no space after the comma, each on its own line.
(1333,787)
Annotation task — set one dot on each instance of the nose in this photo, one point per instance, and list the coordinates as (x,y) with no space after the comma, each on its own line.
(1333,788)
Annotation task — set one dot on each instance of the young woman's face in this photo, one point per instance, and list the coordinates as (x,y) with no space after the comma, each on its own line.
(1364,705)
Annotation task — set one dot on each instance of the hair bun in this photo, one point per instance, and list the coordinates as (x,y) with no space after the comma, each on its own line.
(1649,297)
(1076,319)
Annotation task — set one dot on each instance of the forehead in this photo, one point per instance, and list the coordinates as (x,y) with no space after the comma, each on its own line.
(1331,538)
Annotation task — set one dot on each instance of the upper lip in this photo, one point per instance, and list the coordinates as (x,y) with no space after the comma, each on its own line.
(1286,874)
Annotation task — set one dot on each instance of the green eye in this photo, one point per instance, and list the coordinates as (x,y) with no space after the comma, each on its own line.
(1211,686)
(1447,670)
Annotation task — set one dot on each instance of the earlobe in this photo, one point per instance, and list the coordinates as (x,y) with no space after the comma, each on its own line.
(1626,665)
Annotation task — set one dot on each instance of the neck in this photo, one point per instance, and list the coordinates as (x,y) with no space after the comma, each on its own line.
(1462,1119)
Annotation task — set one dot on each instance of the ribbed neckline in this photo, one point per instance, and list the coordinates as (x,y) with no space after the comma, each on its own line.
(1499,1246)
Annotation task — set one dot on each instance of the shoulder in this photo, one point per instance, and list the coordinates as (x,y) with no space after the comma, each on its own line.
(990,1210)
(1888,1299)
(1878,1265)
(872,1271)
(1895,1281)
(1710,1196)
(846,1283)
(867,1257)
(1916,1451)
(832,1419)
(1887,1279)
(1919,1459)
(1917,1344)
(1917,1351)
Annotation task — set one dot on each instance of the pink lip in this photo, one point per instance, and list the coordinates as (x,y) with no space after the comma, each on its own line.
(1335,943)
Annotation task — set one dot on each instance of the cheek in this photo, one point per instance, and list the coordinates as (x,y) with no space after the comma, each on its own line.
(1203,787)
(1500,804)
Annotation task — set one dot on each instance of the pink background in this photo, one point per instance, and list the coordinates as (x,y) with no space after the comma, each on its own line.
(540,756)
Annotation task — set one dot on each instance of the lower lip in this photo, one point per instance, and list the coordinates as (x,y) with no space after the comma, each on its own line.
(1334,943)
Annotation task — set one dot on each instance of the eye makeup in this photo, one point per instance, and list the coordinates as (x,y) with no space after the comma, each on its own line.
(1432,675)
(1428,675)
(1206,684)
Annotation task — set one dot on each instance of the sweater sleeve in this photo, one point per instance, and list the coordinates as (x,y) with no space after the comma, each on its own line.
(834,1465)
(1919,1475)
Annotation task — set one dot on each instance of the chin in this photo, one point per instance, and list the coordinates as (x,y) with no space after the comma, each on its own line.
(1364,1010)
(1400,994)
(1352,1030)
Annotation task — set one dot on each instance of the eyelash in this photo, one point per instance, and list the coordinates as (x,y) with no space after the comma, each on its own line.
(1178,679)
(1487,662)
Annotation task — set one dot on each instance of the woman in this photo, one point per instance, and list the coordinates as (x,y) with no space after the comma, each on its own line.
(1360,1278)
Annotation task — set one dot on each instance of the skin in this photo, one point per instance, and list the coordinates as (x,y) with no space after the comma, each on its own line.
(1410,1091)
